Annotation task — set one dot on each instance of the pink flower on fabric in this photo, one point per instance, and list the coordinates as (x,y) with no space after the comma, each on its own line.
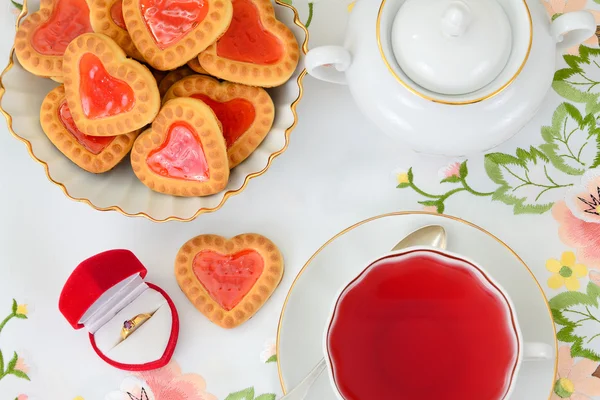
(269,354)
(584,199)
(558,7)
(22,397)
(583,236)
(431,209)
(169,383)
(451,170)
(166,383)
(21,366)
(575,380)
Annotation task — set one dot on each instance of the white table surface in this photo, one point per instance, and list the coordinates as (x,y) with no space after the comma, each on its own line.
(339,169)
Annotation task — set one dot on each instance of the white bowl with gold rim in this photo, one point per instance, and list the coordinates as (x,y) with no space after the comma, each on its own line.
(450,77)
(21,96)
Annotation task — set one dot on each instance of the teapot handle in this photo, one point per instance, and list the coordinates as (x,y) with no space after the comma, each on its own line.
(573,28)
(320,63)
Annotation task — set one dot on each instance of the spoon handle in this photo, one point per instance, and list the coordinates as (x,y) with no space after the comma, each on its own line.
(300,391)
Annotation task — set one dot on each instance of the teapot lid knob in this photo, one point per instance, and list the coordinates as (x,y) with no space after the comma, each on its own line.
(456,19)
(452,47)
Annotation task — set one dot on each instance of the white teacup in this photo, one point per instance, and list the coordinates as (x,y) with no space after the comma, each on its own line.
(419,322)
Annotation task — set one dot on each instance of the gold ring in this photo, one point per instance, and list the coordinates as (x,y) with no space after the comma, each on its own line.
(132,324)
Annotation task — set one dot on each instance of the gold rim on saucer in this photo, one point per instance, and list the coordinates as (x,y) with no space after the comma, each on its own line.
(226,196)
(456,219)
(448,102)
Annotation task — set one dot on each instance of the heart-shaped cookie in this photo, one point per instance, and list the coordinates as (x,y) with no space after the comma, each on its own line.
(169,33)
(184,153)
(173,77)
(95,154)
(229,280)
(108,94)
(106,17)
(256,50)
(246,112)
(43,36)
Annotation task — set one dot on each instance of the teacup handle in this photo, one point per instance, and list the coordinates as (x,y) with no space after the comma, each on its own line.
(573,28)
(320,60)
(533,351)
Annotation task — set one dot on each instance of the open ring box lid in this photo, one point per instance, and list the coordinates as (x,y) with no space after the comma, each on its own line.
(108,289)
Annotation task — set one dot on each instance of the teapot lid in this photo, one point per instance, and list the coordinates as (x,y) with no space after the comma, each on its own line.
(451,46)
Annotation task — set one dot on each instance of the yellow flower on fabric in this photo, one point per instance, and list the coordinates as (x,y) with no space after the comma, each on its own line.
(22,309)
(565,272)
(78,398)
(351,6)
(402,178)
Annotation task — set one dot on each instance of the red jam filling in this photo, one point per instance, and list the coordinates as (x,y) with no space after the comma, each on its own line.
(116,13)
(181,156)
(93,144)
(69,19)
(419,326)
(169,20)
(228,278)
(102,95)
(235,115)
(246,40)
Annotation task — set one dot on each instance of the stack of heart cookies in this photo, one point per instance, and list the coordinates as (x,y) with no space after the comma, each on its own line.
(178,83)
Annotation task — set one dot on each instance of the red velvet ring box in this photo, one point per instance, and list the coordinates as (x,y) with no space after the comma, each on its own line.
(108,289)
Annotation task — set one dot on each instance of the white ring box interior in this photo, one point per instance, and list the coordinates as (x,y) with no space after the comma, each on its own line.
(124,301)
(108,289)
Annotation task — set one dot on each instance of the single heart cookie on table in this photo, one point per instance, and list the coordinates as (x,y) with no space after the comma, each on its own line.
(108,94)
(94,154)
(246,113)
(229,280)
(43,37)
(106,17)
(173,77)
(169,33)
(184,153)
(256,50)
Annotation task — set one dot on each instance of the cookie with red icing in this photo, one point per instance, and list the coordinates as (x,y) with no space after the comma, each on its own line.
(94,154)
(256,50)
(229,280)
(246,113)
(169,33)
(173,77)
(43,37)
(184,153)
(106,17)
(108,94)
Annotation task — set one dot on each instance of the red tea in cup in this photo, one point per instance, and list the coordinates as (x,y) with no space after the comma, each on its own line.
(423,325)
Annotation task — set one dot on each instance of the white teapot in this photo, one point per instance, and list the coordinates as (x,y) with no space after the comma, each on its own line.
(450,77)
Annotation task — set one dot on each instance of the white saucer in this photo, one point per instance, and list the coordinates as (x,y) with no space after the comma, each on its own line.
(305,312)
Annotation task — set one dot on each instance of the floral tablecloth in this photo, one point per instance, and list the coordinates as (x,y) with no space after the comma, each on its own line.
(539,192)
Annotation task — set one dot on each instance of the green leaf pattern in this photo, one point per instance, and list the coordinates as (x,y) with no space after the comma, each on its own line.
(573,140)
(524,180)
(10,367)
(580,81)
(578,314)
(248,394)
